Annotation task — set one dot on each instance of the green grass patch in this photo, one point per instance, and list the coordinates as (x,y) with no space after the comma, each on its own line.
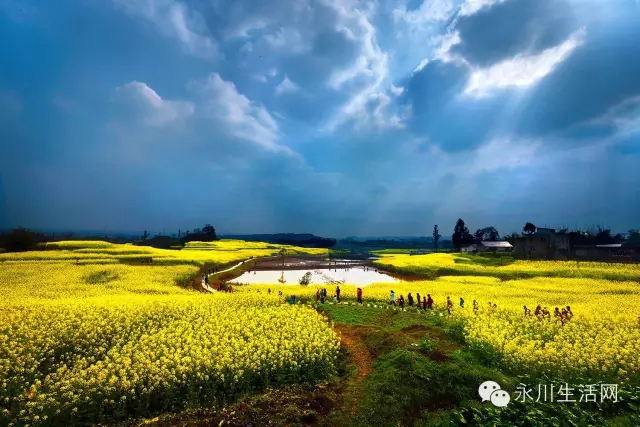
(351,315)
(101,277)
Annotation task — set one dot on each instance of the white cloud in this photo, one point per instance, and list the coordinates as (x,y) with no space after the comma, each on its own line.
(286,86)
(242,117)
(624,117)
(366,77)
(504,153)
(289,40)
(443,51)
(155,111)
(421,65)
(521,71)
(397,91)
(176,20)
(471,7)
(259,77)
(429,11)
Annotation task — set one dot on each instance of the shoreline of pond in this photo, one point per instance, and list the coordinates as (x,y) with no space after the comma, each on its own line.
(305,264)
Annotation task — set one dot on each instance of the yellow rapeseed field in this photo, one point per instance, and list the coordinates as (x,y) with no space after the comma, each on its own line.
(86,337)
(603,338)
(93,342)
(197,253)
(459,264)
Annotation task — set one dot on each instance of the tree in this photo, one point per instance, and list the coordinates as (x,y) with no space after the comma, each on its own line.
(512,237)
(461,235)
(19,240)
(491,234)
(306,279)
(486,234)
(436,236)
(603,236)
(209,232)
(478,235)
(529,228)
(145,235)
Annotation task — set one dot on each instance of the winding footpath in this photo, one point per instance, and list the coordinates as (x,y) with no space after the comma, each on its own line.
(209,288)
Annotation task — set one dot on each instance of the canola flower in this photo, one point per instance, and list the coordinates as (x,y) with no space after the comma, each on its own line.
(602,340)
(196,253)
(103,342)
(460,264)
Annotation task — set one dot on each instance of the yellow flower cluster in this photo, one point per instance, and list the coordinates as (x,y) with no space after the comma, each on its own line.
(92,342)
(96,252)
(518,268)
(602,338)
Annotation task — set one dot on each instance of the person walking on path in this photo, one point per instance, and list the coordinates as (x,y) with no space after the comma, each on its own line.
(461,302)
(392,298)
(410,299)
(538,312)
(359,294)
(429,302)
(401,302)
(424,303)
(556,314)
(323,295)
(318,295)
(449,305)
(338,293)
(546,314)
(569,313)
(418,301)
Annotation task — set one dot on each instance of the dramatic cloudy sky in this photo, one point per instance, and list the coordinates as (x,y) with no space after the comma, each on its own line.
(336,117)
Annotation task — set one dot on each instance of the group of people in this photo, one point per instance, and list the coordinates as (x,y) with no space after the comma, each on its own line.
(426,303)
(321,295)
(542,313)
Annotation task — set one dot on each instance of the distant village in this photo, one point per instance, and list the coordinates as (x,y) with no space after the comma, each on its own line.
(547,243)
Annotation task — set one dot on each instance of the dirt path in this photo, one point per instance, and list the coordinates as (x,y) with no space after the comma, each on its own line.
(361,356)
(351,338)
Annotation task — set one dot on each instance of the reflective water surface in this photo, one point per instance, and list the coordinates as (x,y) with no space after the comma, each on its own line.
(359,276)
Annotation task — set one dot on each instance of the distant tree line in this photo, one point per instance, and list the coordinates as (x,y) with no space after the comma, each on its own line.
(313,242)
(20,239)
(595,235)
(161,241)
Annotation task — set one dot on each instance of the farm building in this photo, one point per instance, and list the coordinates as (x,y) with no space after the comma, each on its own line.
(495,247)
(545,242)
(488,247)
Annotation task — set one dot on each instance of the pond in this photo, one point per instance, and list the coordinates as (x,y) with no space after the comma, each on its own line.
(359,276)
